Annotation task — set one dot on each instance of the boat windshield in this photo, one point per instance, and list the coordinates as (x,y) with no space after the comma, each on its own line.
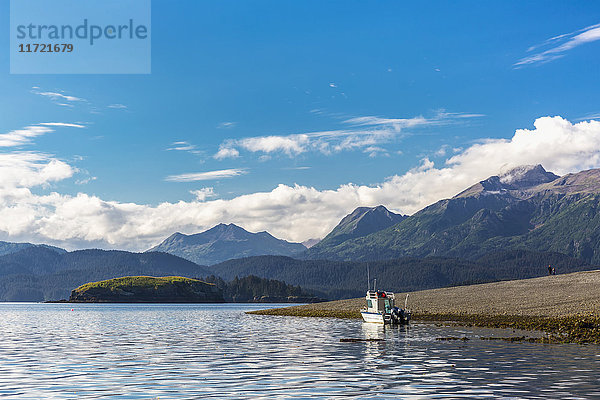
(387,306)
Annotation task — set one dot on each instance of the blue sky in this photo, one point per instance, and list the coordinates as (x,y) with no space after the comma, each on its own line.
(246,96)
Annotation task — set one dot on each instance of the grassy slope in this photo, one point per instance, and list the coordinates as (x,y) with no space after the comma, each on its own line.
(137,281)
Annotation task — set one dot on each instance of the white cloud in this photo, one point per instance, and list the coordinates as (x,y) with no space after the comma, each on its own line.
(555,143)
(22,136)
(181,146)
(290,145)
(227,125)
(226,152)
(118,106)
(56,96)
(206,176)
(25,135)
(85,181)
(374,151)
(559,45)
(441,117)
(595,115)
(298,168)
(291,212)
(364,132)
(62,124)
(397,123)
(30,169)
(204,193)
(185,146)
(441,152)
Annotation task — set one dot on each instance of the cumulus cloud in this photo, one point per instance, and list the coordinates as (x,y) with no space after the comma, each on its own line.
(226,152)
(30,169)
(557,46)
(295,212)
(206,176)
(364,132)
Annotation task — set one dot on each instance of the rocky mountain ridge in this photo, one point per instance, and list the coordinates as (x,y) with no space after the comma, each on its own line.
(524,208)
(225,242)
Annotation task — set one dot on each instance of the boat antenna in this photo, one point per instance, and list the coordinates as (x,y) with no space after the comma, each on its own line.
(406,302)
(375,284)
(368,278)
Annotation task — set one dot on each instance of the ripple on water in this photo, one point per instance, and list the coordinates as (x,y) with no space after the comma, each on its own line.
(217,351)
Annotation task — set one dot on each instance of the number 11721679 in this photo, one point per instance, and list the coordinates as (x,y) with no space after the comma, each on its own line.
(45,48)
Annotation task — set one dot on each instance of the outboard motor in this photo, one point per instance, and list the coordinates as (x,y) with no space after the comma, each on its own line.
(406,315)
(400,316)
(397,315)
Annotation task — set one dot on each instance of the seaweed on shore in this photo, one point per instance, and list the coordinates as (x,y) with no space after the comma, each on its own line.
(582,329)
(449,338)
(299,311)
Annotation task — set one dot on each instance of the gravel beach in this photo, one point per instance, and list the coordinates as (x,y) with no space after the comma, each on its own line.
(549,296)
(567,305)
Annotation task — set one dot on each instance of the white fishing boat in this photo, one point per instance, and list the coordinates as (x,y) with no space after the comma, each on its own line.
(381,309)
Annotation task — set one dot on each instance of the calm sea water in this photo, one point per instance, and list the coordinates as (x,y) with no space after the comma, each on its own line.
(95,351)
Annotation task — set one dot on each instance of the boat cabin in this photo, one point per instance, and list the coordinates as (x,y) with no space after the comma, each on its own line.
(380,302)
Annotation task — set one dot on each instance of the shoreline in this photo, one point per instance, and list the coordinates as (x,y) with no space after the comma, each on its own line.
(565,307)
(581,329)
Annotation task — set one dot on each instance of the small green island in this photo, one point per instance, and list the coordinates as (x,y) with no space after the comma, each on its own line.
(147,289)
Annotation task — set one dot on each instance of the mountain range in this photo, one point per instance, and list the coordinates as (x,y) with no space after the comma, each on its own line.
(224,242)
(9,247)
(361,222)
(508,226)
(525,208)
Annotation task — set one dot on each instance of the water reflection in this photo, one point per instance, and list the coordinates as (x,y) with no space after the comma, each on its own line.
(217,351)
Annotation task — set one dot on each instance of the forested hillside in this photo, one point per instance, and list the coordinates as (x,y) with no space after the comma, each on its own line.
(38,274)
(343,279)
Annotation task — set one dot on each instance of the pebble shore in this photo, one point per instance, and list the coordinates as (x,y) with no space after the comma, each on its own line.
(567,307)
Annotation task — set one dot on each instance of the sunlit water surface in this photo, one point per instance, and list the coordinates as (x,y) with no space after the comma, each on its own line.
(95,351)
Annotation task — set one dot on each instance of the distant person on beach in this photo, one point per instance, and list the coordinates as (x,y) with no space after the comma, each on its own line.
(553,271)
(549,270)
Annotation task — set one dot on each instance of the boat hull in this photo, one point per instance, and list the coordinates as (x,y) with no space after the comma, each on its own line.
(378,318)
(372,317)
